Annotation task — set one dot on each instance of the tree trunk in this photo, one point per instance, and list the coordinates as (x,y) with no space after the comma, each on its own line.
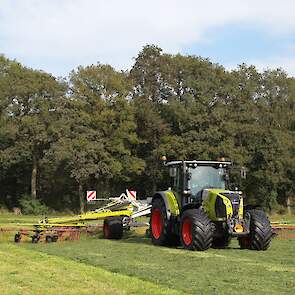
(81,197)
(34,178)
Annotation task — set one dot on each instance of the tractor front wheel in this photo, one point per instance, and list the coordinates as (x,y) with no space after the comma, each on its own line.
(113,228)
(196,230)
(260,232)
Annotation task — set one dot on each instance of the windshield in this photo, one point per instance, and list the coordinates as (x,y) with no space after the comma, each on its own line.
(206,177)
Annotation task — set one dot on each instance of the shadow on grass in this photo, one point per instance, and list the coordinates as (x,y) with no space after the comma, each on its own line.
(133,237)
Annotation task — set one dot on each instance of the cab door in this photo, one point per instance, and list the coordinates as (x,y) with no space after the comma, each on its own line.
(176,174)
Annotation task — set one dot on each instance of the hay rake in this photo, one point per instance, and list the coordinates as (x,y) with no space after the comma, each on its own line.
(118,214)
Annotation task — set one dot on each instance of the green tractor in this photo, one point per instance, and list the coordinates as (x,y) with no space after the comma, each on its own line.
(201,212)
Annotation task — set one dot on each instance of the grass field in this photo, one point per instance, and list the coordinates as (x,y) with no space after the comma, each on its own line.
(283,218)
(134,266)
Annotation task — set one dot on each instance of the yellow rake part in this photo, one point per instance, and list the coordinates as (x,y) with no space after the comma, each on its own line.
(52,229)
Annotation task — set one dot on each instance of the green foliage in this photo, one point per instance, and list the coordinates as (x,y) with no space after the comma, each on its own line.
(104,129)
(32,206)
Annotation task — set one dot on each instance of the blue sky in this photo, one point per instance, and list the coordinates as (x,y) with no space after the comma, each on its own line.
(58,35)
(233,44)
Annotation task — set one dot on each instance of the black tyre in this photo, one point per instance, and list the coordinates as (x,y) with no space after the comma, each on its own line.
(221,242)
(54,238)
(51,239)
(17,238)
(160,226)
(260,232)
(196,230)
(221,237)
(113,228)
(48,239)
(35,239)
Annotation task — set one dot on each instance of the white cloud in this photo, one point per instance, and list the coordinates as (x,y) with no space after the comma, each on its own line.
(77,32)
(286,63)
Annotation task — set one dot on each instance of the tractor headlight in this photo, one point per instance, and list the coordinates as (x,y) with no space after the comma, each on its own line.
(238,228)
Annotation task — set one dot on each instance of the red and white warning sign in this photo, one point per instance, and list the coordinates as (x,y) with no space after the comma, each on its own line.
(131,194)
(91,196)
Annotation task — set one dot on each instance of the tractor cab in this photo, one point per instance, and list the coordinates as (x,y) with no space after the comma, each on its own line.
(190,178)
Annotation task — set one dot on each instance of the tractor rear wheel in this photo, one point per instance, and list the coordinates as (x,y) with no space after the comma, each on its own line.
(160,226)
(260,232)
(196,230)
(221,237)
(113,228)
(221,242)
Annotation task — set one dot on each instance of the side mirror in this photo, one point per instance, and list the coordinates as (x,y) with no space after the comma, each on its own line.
(243,173)
(172,171)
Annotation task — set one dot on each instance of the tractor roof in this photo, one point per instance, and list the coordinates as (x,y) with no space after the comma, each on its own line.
(200,163)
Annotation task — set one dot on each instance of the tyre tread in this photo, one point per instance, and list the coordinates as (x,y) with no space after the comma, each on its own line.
(202,231)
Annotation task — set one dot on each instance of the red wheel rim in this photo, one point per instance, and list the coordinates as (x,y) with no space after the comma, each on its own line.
(106,230)
(157,223)
(186,231)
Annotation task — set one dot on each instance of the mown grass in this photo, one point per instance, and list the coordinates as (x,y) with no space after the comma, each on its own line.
(210,272)
(11,219)
(134,266)
(26,271)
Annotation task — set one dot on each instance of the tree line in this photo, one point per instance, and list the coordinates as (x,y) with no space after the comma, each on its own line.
(104,129)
